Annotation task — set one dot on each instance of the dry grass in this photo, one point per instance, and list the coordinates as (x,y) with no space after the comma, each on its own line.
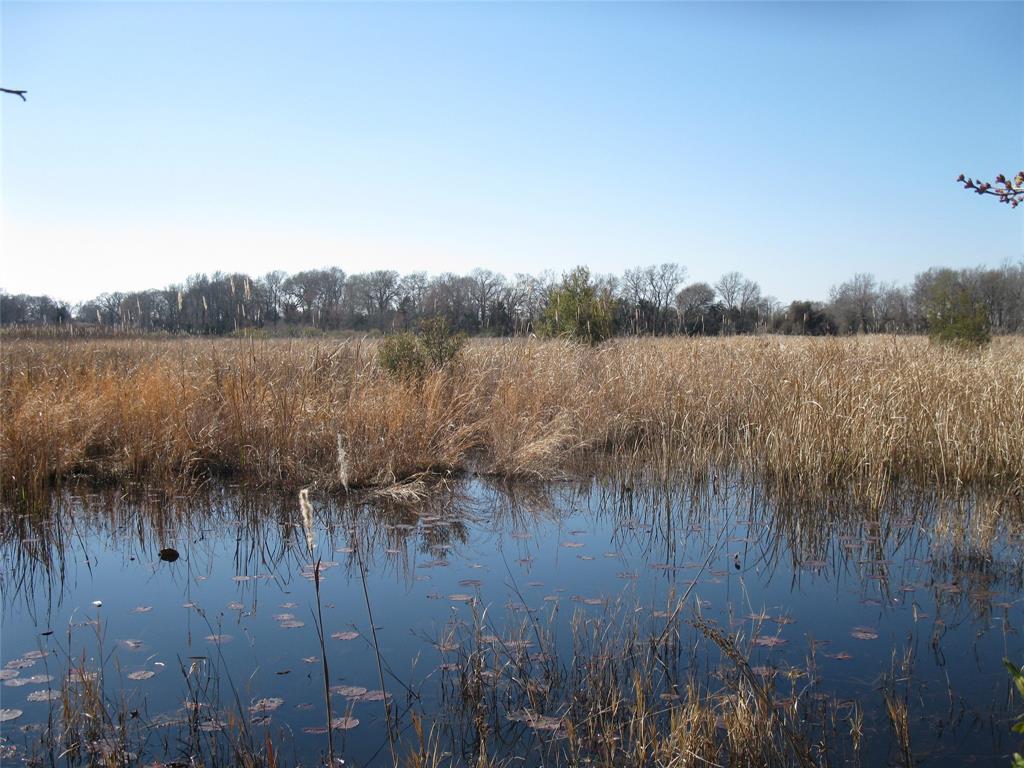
(805,414)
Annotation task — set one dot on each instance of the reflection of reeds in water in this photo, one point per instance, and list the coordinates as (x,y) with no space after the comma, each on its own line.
(622,695)
(806,414)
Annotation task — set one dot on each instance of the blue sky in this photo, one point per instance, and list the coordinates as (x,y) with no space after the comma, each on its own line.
(795,142)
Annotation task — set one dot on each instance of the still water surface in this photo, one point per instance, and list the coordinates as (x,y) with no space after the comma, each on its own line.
(910,601)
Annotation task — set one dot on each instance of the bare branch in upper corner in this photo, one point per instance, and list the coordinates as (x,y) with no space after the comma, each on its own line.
(16,93)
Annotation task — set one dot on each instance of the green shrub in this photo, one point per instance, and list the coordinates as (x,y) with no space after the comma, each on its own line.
(578,309)
(1018,727)
(408,356)
(954,312)
(961,321)
(440,344)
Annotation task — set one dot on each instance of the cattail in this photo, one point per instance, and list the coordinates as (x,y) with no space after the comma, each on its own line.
(342,464)
(307,518)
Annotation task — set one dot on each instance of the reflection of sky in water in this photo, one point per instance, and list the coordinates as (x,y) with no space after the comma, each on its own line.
(618,553)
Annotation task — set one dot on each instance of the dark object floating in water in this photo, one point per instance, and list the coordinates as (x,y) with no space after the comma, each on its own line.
(169,555)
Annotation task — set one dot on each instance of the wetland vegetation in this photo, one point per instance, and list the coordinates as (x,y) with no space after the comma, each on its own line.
(744,551)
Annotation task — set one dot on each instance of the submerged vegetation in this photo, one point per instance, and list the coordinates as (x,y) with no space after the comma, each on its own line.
(863,414)
(689,670)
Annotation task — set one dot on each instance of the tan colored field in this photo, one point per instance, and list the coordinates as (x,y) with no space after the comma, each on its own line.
(807,414)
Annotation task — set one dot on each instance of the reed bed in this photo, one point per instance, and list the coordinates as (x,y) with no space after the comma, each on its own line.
(805,414)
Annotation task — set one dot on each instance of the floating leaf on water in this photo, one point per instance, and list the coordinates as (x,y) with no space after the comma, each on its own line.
(48,695)
(263,706)
(142,674)
(130,645)
(314,730)
(536,721)
(863,633)
(82,676)
(234,605)
(572,544)
(460,598)
(661,614)
(9,714)
(840,656)
(344,635)
(261,721)
(344,723)
(446,647)
(310,659)
(35,655)
(169,555)
(142,609)
(434,564)
(371,696)
(291,624)
(304,706)
(21,663)
(288,606)
(211,725)
(345,550)
(769,641)
(9,674)
(627,575)
(758,616)
(470,582)
(613,554)
(39,679)
(17,682)
(551,598)
(218,639)
(241,578)
(585,557)
(348,691)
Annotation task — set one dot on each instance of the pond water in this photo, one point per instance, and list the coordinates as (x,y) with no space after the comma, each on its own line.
(219,636)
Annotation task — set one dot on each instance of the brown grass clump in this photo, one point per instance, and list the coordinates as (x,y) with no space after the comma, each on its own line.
(805,414)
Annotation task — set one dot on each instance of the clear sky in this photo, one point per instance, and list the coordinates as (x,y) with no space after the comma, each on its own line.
(795,142)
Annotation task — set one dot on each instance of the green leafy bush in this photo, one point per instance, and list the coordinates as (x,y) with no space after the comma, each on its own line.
(440,344)
(409,356)
(1018,727)
(578,309)
(401,355)
(954,311)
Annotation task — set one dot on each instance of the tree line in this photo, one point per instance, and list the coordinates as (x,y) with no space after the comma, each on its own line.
(651,300)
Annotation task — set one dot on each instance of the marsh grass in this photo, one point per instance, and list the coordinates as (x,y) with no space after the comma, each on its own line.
(807,415)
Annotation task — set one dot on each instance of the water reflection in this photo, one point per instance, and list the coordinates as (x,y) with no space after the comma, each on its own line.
(510,619)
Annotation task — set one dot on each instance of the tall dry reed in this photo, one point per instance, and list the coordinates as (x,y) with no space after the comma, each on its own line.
(805,414)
